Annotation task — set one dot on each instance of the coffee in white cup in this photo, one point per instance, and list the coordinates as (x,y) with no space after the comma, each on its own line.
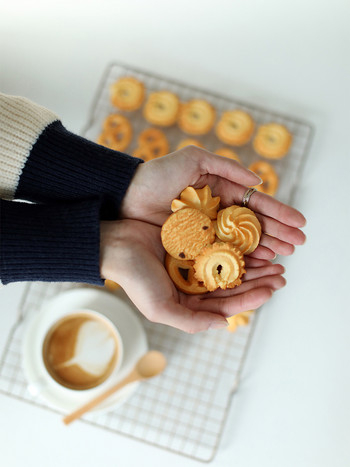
(81,350)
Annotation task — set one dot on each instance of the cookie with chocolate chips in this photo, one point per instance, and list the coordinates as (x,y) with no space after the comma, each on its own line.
(186,232)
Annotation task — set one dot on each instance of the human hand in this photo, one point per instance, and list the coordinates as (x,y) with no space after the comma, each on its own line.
(132,255)
(156,183)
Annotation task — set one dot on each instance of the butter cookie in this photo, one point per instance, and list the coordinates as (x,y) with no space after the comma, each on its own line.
(239,226)
(219,265)
(272,141)
(186,232)
(182,274)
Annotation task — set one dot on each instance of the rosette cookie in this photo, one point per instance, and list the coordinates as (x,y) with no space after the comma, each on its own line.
(182,274)
(219,265)
(240,226)
(200,198)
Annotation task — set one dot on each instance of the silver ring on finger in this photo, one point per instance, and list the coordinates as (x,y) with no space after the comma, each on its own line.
(246,196)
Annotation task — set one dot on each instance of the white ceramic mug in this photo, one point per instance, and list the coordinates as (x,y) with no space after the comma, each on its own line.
(80,352)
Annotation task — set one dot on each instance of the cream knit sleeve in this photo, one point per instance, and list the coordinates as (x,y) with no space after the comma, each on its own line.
(21,123)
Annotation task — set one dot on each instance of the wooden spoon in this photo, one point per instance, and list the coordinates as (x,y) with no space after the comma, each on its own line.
(151,364)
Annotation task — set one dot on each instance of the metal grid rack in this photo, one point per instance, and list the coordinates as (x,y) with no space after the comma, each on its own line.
(183,410)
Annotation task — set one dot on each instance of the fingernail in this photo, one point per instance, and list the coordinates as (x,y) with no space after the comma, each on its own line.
(257,176)
(218,324)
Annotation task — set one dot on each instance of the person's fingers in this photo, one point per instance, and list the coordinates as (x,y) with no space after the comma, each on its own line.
(273,283)
(224,167)
(271,207)
(281,231)
(233,304)
(263,253)
(270,270)
(276,245)
(255,262)
(190,321)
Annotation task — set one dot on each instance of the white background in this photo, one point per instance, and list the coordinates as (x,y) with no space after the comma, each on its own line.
(292,407)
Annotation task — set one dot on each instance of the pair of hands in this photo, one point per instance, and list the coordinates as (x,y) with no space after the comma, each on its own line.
(133,256)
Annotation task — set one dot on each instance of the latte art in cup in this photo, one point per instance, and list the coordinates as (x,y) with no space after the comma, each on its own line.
(80,351)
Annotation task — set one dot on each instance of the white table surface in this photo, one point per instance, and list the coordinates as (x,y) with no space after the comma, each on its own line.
(292,407)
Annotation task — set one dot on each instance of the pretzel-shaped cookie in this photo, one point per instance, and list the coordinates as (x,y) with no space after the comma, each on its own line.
(182,274)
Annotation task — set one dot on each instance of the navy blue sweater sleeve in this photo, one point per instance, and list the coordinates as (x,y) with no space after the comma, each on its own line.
(54,243)
(63,166)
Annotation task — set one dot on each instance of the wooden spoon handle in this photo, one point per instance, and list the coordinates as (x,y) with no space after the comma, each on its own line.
(133,376)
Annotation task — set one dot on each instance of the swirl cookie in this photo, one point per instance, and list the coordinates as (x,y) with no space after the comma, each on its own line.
(226,152)
(268,175)
(186,232)
(196,117)
(241,319)
(240,227)
(127,93)
(117,132)
(200,198)
(189,142)
(162,108)
(235,127)
(219,265)
(182,274)
(272,141)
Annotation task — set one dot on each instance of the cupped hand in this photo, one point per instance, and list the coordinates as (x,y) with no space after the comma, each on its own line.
(156,183)
(132,255)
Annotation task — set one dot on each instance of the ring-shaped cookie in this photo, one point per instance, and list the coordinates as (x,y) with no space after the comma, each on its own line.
(182,274)
(272,141)
(127,93)
(196,117)
(235,127)
(162,108)
(226,152)
(268,175)
(189,142)
(220,265)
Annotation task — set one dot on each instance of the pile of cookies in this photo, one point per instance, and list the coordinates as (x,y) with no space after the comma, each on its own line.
(195,118)
(206,245)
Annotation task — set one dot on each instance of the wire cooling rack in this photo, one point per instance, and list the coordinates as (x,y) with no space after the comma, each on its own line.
(184,410)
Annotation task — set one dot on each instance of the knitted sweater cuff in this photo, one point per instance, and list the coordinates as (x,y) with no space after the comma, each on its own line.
(63,166)
(58,243)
